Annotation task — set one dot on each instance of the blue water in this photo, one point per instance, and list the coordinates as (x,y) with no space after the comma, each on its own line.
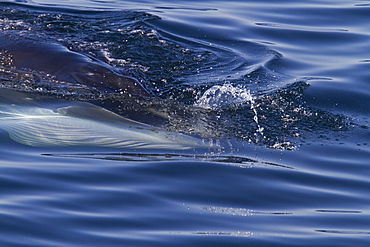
(289,167)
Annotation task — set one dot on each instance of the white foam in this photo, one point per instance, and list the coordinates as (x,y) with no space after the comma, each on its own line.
(225,96)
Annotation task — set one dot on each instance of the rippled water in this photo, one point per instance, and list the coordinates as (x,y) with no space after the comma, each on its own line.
(274,96)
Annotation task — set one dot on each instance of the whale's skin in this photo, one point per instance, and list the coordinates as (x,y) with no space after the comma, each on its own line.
(68,66)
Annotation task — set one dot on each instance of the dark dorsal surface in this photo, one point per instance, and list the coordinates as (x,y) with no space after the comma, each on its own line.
(68,66)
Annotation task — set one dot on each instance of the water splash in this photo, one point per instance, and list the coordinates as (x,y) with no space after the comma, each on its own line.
(255,118)
(223,97)
(227,96)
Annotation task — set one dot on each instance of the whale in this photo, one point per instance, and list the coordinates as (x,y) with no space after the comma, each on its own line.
(67,66)
(38,121)
(42,120)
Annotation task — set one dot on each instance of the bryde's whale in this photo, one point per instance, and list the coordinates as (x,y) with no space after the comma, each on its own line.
(67,66)
(39,120)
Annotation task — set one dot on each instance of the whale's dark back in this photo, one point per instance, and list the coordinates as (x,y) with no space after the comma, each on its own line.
(68,66)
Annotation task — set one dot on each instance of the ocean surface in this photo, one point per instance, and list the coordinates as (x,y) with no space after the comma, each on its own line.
(262,106)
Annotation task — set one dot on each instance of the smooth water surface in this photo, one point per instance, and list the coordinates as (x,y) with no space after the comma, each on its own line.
(276,94)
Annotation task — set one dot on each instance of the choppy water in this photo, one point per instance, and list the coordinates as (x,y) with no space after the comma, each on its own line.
(276,93)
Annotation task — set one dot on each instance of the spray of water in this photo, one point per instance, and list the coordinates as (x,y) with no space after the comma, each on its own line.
(227,96)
